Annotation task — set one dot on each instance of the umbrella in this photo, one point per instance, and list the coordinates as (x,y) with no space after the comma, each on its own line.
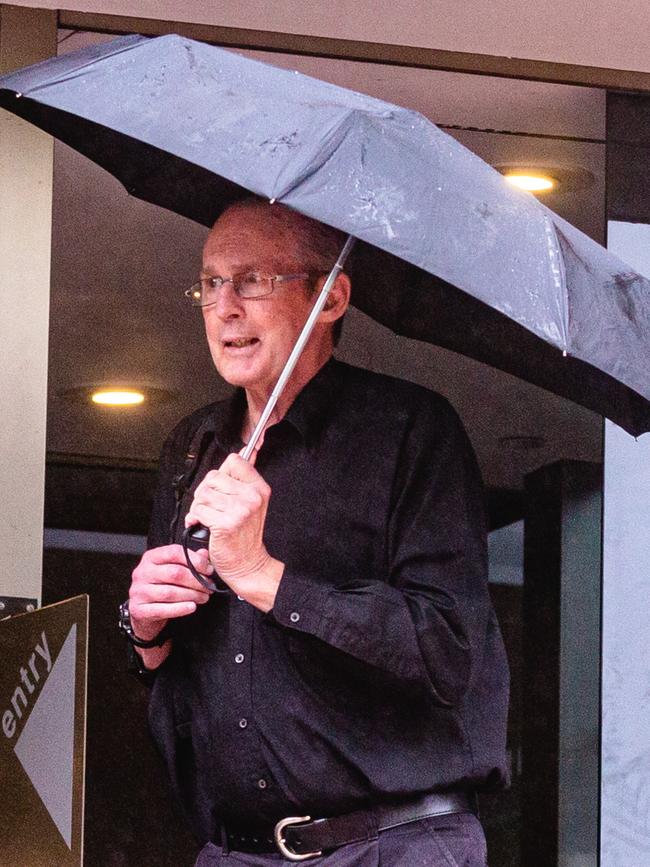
(449,252)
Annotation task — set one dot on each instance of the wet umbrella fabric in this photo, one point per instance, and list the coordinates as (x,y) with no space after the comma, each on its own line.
(452,255)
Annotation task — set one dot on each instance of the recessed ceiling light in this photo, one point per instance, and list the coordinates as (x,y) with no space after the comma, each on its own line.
(546,178)
(117,397)
(534,183)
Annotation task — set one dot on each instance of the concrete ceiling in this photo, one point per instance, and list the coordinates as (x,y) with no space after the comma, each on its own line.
(119,267)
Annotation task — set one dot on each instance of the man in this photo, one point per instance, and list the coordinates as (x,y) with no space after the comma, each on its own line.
(353,671)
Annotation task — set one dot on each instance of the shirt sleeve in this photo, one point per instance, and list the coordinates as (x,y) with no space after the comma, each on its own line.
(423,624)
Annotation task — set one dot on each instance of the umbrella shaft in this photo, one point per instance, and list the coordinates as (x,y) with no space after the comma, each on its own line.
(307,329)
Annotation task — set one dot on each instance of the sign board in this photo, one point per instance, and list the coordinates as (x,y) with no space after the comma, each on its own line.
(42,735)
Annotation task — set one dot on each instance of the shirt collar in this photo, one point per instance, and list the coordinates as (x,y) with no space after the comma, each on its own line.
(307,414)
(313,406)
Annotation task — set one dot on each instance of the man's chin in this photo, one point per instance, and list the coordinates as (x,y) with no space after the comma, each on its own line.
(241,375)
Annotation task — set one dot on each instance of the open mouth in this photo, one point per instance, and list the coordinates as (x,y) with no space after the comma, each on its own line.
(241,342)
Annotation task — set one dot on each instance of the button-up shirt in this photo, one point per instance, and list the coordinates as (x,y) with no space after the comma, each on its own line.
(380,671)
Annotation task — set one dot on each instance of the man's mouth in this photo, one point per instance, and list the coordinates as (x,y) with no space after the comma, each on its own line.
(240,342)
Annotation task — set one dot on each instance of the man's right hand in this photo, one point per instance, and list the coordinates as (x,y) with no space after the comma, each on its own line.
(162,588)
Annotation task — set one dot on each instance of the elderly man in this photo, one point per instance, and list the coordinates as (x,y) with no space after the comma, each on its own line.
(353,671)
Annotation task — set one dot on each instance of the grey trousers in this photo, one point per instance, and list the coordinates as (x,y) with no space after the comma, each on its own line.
(456,840)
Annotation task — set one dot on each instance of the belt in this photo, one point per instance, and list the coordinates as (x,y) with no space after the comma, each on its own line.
(299,838)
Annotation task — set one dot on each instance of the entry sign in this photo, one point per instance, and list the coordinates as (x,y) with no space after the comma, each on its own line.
(43,674)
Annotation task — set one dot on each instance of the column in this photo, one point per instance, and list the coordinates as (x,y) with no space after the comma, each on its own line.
(625,748)
(26,36)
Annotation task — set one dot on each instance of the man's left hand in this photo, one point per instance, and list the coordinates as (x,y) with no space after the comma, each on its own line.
(232,503)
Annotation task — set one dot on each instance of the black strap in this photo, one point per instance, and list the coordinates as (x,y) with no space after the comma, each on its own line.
(202,437)
(201,440)
(210,586)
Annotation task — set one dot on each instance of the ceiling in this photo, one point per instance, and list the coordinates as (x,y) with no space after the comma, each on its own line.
(119,267)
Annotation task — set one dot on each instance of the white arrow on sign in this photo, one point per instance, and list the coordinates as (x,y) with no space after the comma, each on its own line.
(45,747)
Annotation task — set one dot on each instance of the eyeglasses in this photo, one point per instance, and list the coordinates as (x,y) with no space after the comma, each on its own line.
(249,284)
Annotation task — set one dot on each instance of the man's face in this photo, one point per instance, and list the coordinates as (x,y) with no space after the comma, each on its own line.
(250,339)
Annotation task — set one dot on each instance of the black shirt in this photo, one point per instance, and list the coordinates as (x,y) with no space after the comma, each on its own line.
(380,670)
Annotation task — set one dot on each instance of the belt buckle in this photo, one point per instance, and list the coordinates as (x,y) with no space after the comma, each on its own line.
(281,843)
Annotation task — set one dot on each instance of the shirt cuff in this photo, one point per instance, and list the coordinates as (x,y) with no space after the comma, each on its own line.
(136,667)
(300,603)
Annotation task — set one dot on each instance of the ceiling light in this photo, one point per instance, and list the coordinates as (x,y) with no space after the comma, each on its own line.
(120,395)
(546,178)
(532,182)
(117,397)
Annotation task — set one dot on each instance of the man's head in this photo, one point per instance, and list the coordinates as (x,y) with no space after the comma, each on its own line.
(251,338)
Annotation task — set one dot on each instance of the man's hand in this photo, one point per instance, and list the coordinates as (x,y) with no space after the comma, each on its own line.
(162,587)
(232,503)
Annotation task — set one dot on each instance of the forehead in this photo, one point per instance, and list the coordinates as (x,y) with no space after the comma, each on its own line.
(253,236)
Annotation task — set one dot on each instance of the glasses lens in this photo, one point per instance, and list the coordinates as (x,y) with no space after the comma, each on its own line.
(194,294)
(204,292)
(253,284)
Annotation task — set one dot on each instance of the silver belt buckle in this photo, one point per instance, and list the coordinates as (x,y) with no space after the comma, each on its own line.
(281,843)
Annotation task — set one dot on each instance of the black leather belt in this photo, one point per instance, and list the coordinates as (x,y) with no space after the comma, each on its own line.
(299,838)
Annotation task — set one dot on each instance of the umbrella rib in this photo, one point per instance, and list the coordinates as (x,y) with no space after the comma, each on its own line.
(71,74)
(559,276)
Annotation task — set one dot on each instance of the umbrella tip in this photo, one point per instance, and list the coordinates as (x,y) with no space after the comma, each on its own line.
(18,95)
(272,201)
(564,353)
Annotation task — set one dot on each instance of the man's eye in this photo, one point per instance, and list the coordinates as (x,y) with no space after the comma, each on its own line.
(210,283)
(252,277)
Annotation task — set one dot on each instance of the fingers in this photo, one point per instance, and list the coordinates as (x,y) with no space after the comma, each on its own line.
(170,554)
(160,612)
(168,594)
(223,519)
(231,495)
(162,577)
(174,575)
(234,469)
(251,497)
(238,468)
(235,477)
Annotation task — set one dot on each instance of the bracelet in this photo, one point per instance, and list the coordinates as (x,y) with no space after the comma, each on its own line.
(125,626)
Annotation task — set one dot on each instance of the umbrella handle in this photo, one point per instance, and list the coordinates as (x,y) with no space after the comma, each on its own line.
(199,533)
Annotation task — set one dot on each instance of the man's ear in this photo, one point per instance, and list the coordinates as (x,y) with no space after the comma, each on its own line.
(338,299)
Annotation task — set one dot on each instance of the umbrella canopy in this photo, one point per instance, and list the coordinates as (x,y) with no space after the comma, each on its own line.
(452,254)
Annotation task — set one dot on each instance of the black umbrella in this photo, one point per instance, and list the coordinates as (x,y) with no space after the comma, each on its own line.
(450,253)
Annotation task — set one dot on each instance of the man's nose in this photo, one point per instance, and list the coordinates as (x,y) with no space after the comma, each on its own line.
(228,304)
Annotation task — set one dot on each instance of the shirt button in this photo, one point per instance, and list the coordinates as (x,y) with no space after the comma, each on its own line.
(243,723)
(294,617)
(239,657)
(262,784)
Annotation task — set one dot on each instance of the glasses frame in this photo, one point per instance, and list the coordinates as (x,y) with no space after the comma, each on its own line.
(273,278)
